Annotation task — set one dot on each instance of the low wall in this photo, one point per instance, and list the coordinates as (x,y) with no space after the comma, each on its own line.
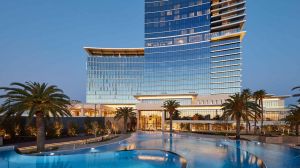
(281,139)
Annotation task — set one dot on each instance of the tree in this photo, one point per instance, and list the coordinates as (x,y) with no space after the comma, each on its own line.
(40,101)
(72,129)
(297,94)
(293,118)
(176,115)
(247,95)
(96,127)
(133,123)
(260,95)
(171,106)
(197,117)
(125,113)
(238,107)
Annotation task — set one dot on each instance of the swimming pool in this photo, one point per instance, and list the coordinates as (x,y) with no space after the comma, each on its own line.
(148,149)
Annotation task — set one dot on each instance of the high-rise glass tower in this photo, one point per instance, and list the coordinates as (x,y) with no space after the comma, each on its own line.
(114,75)
(193,46)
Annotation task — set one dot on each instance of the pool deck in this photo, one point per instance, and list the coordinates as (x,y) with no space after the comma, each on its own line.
(71,143)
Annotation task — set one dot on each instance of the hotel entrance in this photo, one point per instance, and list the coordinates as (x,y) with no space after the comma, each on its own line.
(150,120)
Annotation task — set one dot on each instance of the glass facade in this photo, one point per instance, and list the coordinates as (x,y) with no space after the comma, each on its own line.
(193,46)
(114,78)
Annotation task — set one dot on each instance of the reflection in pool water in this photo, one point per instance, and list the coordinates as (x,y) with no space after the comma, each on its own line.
(198,152)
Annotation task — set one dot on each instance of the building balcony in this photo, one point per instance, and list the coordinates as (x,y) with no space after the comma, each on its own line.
(228,34)
(228,25)
(231,5)
(223,3)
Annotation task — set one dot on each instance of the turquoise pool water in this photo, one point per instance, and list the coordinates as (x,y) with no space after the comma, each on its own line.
(145,150)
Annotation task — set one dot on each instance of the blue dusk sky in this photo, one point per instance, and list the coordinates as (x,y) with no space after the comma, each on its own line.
(43,40)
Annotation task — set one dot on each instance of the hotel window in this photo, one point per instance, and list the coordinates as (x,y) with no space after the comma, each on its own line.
(169,13)
(181,40)
(192,31)
(192,14)
(199,13)
(199,2)
(196,38)
(177,6)
(184,16)
(184,32)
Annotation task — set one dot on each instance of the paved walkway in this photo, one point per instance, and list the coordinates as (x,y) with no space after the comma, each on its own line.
(90,145)
(73,142)
(50,141)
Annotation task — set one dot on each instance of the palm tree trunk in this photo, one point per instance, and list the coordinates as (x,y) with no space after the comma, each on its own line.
(262,115)
(255,119)
(247,123)
(255,122)
(171,124)
(238,128)
(125,125)
(40,136)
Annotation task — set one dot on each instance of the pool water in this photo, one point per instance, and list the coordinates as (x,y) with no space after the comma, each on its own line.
(126,159)
(148,149)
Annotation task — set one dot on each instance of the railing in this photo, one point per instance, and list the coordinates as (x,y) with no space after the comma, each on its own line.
(225,32)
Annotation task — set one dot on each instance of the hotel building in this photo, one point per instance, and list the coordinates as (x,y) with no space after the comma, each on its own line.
(192,54)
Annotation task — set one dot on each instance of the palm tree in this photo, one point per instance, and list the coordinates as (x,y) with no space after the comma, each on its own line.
(294,118)
(133,122)
(260,95)
(125,113)
(40,101)
(257,114)
(171,106)
(297,94)
(247,94)
(238,107)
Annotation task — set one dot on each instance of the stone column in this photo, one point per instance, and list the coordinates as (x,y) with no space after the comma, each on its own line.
(82,111)
(163,118)
(100,112)
(210,127)
(138,120)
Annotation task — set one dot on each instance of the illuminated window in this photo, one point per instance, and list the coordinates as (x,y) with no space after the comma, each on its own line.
(169,13)
(181,40)
(199,13)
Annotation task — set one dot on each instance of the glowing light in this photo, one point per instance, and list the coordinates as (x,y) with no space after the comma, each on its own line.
(51,154)
(156,158)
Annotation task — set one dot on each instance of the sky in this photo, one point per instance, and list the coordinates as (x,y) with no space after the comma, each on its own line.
(43,41)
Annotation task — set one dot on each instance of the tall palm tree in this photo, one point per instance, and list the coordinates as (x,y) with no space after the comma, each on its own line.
(238,107)
(171,106)
(261,94)
(257,114)
(294,118)
(247,95)
(40,101)
(297,94)
(125,113)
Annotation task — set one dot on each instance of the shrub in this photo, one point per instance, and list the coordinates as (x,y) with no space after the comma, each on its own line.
(72,129)
(58,127)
